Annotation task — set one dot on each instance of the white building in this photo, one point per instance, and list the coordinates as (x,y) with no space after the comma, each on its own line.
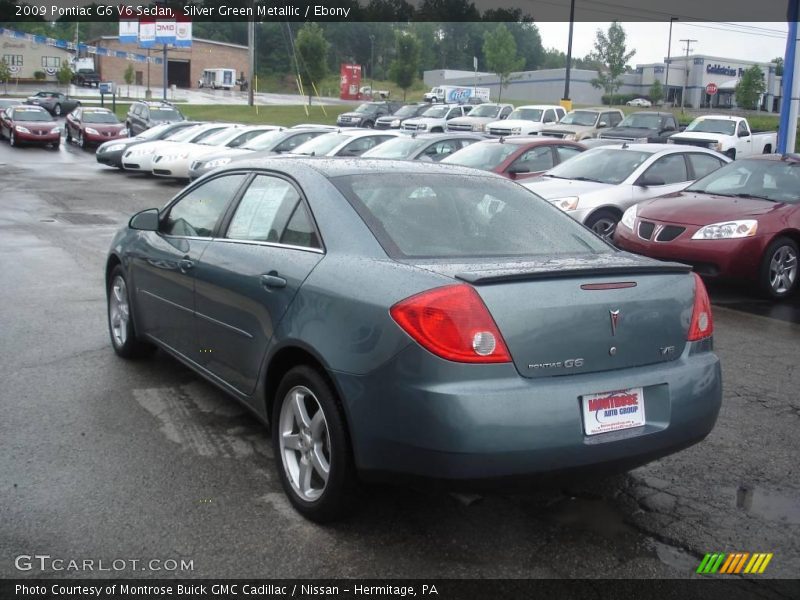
(695,72)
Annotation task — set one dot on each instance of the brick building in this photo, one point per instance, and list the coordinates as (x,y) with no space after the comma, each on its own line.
(185,65)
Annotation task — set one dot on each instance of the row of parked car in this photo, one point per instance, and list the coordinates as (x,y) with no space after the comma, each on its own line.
(600,182)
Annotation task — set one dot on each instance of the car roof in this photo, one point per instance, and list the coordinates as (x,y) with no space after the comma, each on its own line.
(340,166)
(363,132)
(655,148)
(542,106)
(651,112)
(95,109)
(788,158)
(447,135)
(520,140)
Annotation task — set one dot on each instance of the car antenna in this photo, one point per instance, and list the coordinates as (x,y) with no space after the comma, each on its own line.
(502,139)
(624,145)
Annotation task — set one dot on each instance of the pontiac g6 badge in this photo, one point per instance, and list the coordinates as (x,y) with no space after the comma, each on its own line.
(614,321)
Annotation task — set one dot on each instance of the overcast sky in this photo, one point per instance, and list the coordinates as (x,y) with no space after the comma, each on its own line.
(747,41)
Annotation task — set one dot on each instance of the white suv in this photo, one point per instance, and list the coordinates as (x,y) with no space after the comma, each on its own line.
(527,120)
(434,120)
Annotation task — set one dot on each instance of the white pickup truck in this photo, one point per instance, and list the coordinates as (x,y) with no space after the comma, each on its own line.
(729,135)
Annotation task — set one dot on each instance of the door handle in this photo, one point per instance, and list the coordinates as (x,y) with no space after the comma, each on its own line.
(186,265)
(272,280)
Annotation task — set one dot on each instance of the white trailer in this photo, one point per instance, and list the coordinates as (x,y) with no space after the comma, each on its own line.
(218,79)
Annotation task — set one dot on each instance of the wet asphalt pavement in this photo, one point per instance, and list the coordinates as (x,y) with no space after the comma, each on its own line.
(107,459)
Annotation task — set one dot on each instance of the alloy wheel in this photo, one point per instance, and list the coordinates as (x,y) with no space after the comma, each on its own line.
(783,270)
(119,311)
(305,445)
(604,227)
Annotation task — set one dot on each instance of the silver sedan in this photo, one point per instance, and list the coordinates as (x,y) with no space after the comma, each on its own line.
(597,186)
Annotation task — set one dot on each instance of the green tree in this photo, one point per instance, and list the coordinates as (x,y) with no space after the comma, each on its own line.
(5,75)
(404,67)
(64,74)
(500,54)
(750,87)
(656,92)
(129,76)
(312,56)
(778,65)
(611,53)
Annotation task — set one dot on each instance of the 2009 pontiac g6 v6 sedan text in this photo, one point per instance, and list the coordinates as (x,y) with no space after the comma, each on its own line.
(401,318)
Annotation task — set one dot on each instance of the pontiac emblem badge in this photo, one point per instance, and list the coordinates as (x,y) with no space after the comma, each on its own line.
(614,321)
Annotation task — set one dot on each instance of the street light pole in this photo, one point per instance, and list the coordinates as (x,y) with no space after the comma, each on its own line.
(372,65)
(669,56)
(251,59)
(565,101)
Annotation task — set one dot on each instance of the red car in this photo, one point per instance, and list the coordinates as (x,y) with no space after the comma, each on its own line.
(516,157)
(29,124)
(739,222)
(94,126)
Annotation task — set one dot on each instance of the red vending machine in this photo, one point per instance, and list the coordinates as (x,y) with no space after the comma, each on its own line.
(350,81)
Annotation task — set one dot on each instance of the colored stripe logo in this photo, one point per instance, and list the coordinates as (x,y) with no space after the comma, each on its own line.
(734,563)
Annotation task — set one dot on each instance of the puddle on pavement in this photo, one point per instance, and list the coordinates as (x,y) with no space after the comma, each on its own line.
(591,514)
(769,505)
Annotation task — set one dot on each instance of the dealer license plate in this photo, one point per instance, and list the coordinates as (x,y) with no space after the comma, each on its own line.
(613,411)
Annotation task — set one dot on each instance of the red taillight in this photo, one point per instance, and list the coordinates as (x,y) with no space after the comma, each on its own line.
(702,325)
(452,322)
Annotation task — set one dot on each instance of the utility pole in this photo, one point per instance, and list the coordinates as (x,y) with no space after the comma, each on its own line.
(251,56)
(669,56)
(372,65)
(686,78)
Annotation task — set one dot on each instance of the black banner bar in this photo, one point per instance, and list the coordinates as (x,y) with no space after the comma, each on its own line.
(730,588)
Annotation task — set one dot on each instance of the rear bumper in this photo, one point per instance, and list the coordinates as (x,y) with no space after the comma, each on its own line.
(486,422)
(725,259)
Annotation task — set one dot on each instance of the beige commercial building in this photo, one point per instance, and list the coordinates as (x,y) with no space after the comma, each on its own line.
(24,58)
(185,65)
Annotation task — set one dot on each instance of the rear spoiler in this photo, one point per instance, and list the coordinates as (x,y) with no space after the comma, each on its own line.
(500,276)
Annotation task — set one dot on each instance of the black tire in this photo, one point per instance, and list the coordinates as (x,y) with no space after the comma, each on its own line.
(369,124)
(125,341)
(337,496)
(603,223)
(68,134)
(731,153)
(779,271)
(57,110)
(56,145)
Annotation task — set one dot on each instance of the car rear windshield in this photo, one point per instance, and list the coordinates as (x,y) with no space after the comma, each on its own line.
(641,121)
(264,141)
(367,108)
(603,165)
(579,117)
(435,215)
(526,114)
(184,135)
(408,110)
(321,145)
(165,114)
(398,148)
(99,117)
(485,110)
(721,126)
(436,112)
(31,114)
(774,180)
(482,155)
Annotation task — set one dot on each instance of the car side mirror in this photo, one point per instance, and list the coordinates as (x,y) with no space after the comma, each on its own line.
(602,124)
(514,171)
(743,134)
(147,220)
(650,180)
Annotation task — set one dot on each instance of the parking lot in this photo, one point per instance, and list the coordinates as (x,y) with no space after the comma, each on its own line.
(144,460)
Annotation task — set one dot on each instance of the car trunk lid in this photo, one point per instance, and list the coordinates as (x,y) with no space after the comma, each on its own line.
(573,315)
